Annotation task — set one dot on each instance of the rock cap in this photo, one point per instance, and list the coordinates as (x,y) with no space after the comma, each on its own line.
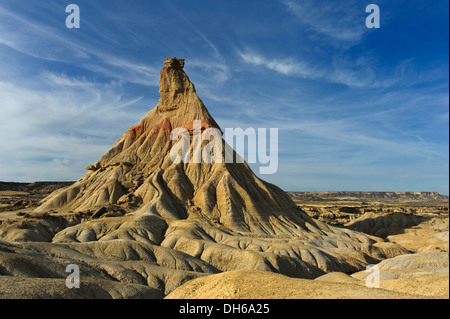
(174,63)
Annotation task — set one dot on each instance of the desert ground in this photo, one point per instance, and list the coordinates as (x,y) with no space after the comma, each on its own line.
(419,226)
(139,224)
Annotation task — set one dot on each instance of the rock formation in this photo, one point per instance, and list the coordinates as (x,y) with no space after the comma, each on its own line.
(187,219)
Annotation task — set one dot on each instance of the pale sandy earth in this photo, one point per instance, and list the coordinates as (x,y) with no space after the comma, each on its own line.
(266,285)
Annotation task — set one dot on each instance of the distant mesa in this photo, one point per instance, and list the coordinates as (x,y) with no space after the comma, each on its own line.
(381,196)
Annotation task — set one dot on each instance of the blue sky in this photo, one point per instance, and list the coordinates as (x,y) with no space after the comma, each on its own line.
(356,108)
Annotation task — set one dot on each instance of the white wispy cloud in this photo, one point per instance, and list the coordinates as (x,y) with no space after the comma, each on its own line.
(350,73)
(212,71)
(28,36)
(35,39)
(59,128)
(339,21)
(362,71)
(284,66)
